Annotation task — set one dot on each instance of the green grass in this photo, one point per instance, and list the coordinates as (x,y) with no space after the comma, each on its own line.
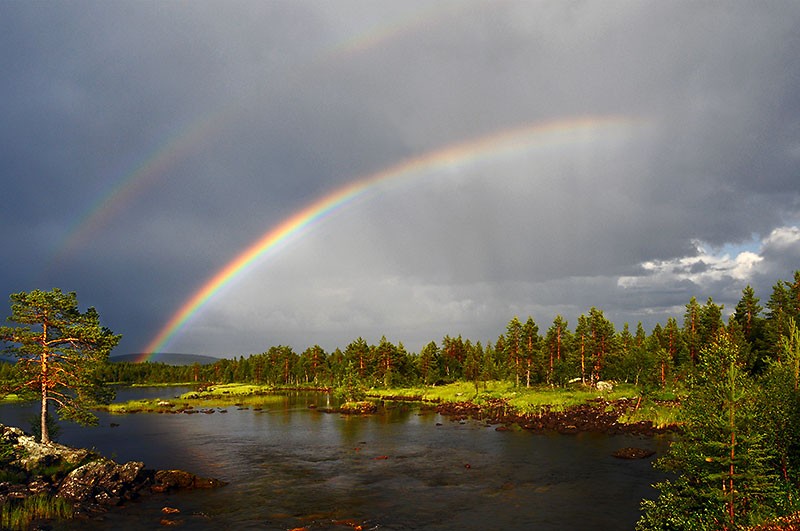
(242,395)
(525,399)
(168,384)
(12,399)
(20,515)
(535,399)
(660,415)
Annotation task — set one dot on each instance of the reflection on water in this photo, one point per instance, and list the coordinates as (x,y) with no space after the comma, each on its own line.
(290,466)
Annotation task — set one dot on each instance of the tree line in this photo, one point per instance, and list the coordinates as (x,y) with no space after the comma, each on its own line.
(525,353)
(735,464)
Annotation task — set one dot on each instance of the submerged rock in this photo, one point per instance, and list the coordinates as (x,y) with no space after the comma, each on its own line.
(164,480)
(633,453)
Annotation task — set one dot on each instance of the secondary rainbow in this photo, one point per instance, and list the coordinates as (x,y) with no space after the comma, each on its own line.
(154,167)
(511,140)
(133,183)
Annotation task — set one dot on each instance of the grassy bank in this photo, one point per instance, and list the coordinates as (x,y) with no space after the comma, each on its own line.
(216,396)
(659,408)
(11,399)
(20,514)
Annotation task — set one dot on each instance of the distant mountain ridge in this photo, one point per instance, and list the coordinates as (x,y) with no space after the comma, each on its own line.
(169,358)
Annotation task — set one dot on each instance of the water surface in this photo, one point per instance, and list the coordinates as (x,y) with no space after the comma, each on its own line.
(290,466)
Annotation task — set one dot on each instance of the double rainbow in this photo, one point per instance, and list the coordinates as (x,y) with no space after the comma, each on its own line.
(568,131)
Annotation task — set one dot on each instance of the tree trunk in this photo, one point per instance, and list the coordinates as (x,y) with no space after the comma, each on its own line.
(731,510)
(45,385)
(45,435)
(528,375)
(583,362)
(732,426)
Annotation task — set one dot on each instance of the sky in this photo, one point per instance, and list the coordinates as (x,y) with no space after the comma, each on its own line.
(401,169)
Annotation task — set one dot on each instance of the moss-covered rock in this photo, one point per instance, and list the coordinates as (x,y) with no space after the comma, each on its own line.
(86,480)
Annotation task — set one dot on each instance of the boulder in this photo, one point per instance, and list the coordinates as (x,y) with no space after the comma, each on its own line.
(30,454)
(606,387)
(92,483)
(633,453)
(101,481)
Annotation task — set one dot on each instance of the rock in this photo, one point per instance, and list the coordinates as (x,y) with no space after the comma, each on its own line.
(171,479)
(39,486)
(633,453)
(94,486)
(174,479)
(101,481)
(30,454)
(358,408)
(10,491)
(605,386)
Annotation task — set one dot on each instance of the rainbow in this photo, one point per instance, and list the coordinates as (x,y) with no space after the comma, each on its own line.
(558,132)
(182,142)
(131,184)
(378,34)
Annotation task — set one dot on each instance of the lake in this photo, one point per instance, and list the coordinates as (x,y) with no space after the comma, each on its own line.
(290,466)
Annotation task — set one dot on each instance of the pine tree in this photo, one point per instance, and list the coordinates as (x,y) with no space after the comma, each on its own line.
(783,306)
(428,363)
(60,352)
(530,348)
(722,459)
(691,329)
(359,358)
(602,342)
(780,409)
(556,344)
(513,348)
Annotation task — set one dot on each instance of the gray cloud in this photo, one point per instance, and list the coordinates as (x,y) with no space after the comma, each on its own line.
(247,112)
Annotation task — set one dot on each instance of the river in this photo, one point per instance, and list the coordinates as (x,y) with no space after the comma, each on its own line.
(290,466)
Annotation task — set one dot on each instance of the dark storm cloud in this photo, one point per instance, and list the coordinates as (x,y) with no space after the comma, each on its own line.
(283,103)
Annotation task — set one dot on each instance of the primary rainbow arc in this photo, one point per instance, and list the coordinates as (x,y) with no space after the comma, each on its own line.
(507,140)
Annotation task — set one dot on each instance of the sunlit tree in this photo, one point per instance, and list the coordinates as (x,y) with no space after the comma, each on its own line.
(782,307)
(557,344)
(428,363)
(723,478)
(513,347)
(60,352)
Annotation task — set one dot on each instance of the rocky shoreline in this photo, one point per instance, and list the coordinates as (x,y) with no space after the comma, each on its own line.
(91,483)
(599,416)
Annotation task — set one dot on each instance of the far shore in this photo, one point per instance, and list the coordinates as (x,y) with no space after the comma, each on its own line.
(623,405)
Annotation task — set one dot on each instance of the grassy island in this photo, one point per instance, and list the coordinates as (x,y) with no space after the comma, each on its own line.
(661,409)
(213,396)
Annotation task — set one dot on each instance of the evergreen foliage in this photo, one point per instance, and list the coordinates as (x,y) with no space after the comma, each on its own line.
(60,351)
(724,462)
